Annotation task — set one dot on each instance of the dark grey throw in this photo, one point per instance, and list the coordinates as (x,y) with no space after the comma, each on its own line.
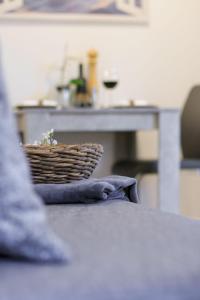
(24,231)
(89,191)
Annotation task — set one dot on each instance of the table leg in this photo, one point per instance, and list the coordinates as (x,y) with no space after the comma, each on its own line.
(169,161)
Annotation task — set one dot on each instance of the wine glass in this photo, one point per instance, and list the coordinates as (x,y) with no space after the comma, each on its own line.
(110,81)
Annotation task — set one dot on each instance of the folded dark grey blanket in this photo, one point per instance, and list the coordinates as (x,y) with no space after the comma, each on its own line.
(89,191)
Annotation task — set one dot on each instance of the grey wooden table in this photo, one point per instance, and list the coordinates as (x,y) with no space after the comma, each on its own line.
(33,122)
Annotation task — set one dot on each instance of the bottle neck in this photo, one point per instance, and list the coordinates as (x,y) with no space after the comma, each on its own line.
(81,71)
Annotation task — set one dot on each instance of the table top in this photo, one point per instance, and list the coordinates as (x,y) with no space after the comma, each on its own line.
(92,119)
(131,110)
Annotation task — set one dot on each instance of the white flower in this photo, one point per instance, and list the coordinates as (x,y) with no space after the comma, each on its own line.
(48,138)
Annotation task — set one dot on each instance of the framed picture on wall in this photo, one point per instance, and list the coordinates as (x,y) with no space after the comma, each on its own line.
(77,10)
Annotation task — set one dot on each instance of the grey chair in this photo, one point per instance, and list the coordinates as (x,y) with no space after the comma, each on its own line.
(190,142)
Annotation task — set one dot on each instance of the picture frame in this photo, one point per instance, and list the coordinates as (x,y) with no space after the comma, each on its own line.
(116,11)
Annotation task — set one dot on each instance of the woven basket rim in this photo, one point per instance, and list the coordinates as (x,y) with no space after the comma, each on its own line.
(63,147)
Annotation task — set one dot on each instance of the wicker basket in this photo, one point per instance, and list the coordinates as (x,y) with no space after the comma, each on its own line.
(62,163)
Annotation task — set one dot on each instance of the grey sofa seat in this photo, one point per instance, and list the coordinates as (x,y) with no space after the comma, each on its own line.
(121,251)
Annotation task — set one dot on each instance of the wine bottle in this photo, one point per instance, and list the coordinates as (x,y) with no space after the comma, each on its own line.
(81,94)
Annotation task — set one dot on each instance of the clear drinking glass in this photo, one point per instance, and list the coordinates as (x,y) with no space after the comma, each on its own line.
(110,81)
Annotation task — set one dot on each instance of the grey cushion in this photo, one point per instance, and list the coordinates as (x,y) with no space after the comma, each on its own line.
(24,231)
(121,251)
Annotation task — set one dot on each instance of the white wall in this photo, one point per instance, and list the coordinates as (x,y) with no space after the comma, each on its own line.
(158,62)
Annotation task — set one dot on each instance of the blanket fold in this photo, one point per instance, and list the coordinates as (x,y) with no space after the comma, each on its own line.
(89,191)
